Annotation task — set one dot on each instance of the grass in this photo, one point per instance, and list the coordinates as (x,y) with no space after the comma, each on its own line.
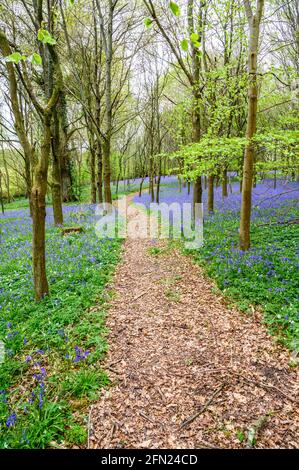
(266,277)
(172,295)
(52,366)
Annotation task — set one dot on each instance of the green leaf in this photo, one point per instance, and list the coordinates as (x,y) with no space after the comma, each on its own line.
(184,45)
(195,40)
(175,8)
(194,37)
(36,59)
(16,57)
(148,22)
(72,2)
(44,36)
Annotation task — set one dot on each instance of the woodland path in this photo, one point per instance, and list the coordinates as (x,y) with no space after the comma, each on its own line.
(177,350)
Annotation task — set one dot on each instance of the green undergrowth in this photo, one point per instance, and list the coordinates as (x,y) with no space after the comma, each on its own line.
(266,277)
(54,348)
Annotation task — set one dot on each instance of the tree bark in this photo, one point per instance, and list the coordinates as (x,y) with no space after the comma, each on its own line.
(107,39)
(56,172)
(140,187)
(107,171)
(100,172)
(38,198)
(151,178)
(254,20)
(93,184)
(224,183)
(211,193)
(159,181)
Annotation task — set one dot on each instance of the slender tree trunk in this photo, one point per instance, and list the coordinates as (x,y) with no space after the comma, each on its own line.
(254,20)
(93,183)
(107,39)
(38,198)
(197,186)
(151,179)
(159,181)
(211,193)
(197,194)
(107,171)
(56,171)
(140,187)
(100,172)
(224,183)
(56,192)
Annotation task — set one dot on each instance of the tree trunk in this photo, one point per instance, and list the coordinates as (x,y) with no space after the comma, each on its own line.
(211,193)
(93,184)
(66,165)
(224,184)
(197,194)
(38,198)
(151,179)
(254,20)
(159,180)
(56,192)
(56,171)
(107,171)
(100,172)
(158,189)
(39,258)
(67,189)
(140,187)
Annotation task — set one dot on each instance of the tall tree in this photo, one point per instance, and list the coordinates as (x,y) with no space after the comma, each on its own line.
(196,19)
(39,160)
(254,18)
(106,30)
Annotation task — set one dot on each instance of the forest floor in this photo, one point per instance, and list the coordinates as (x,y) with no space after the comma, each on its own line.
(187,370)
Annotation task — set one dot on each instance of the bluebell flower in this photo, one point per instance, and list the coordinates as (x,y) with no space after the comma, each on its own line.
(11,420)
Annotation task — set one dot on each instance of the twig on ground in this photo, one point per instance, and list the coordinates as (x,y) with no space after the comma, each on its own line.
(263,385)
(113,370)
(140,295)
(146,417)
(203,409)
(114,363)
(206,444)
